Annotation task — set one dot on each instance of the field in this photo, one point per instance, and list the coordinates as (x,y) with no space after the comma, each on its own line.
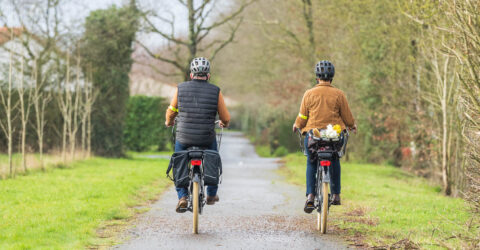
(69,207)
(383,206)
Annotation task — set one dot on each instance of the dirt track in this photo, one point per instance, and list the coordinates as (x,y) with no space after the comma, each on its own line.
(257,210)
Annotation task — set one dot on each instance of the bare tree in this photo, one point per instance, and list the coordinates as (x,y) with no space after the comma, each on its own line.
(24,111)
(40,102)
(75,110)
(89,96)
(443,97)
(198,31)
(9,107)
(40,36)
(64,101)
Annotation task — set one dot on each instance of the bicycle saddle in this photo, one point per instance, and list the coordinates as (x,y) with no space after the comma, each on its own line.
(195,152)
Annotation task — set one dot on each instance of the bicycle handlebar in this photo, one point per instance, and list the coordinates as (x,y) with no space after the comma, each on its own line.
(219,136)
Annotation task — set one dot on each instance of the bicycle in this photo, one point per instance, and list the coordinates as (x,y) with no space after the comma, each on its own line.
(327,150)
(196,187)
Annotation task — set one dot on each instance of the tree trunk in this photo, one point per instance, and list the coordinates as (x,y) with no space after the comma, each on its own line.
(307,14)
(84,134)
(445,172)
(192,46)
(9,115)
(24,114)
(64,142)
(89,133)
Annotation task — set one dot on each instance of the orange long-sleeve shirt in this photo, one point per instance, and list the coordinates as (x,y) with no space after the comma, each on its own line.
(323,105)
(172,110)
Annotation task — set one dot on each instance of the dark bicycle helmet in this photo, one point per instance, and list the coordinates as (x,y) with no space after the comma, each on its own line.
(325,70)
(200,66)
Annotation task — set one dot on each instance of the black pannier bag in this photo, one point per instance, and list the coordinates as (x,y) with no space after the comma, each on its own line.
(179,164)
(212,165)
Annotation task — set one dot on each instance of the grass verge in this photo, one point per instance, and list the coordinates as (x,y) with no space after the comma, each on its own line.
(63,208)
(383,206)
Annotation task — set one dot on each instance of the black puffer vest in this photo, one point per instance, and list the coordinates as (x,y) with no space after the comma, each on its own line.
(197,109)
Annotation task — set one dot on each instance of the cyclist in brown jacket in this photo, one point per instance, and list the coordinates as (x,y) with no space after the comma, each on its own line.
(322,105)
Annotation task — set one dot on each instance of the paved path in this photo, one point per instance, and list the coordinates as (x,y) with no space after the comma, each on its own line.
(257,210)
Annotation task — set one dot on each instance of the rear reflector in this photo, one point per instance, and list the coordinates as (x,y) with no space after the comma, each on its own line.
(196,162)
(325,163)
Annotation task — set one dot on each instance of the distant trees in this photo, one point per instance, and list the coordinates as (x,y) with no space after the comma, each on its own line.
(33,74)
(409,70)
(106,50)
(34,46)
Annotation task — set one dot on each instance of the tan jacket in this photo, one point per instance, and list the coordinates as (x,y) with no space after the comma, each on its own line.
(323,105)
(172,110)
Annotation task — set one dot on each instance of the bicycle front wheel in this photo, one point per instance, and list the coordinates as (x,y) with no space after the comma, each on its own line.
(323,216)
(196,203)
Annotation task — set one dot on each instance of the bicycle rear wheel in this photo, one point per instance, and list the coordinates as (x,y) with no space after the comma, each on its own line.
(196,203)
(323,217)
(319,192)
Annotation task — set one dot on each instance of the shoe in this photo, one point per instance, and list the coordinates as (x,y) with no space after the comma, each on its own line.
(336,200)
(309,204)
(212,199)
(182,205)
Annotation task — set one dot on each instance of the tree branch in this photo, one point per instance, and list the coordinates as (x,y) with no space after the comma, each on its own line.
(227,19)
(157,70)
(229,40)
(164,35)
(182,2)
(158,57)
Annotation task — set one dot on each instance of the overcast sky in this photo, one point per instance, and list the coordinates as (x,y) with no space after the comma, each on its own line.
(75,12)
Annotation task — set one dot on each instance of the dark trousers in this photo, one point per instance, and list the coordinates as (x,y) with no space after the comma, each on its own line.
(312,171)
(183,192)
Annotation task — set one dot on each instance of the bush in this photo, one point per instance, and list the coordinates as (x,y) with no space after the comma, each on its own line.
(144,124)
(280,151)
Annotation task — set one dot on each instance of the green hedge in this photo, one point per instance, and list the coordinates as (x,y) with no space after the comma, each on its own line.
(145,124)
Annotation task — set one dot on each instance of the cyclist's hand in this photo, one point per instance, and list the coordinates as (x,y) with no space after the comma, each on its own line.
(354,129)
(294,128)
(221,124)
(169,125)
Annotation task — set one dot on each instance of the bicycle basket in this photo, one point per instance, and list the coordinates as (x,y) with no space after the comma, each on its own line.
(334,143)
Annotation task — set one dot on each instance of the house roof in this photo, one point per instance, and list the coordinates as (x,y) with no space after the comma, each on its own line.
(6,33)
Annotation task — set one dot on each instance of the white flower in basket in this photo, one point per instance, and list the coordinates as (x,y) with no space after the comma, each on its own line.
(330,132)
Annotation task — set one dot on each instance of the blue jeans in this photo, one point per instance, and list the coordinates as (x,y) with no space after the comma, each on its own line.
(183,192)
(312,171)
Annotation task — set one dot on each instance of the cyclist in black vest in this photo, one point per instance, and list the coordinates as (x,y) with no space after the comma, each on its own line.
(196,103)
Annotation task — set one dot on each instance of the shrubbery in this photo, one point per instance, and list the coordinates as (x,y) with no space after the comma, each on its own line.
(144,124)
(280,151)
